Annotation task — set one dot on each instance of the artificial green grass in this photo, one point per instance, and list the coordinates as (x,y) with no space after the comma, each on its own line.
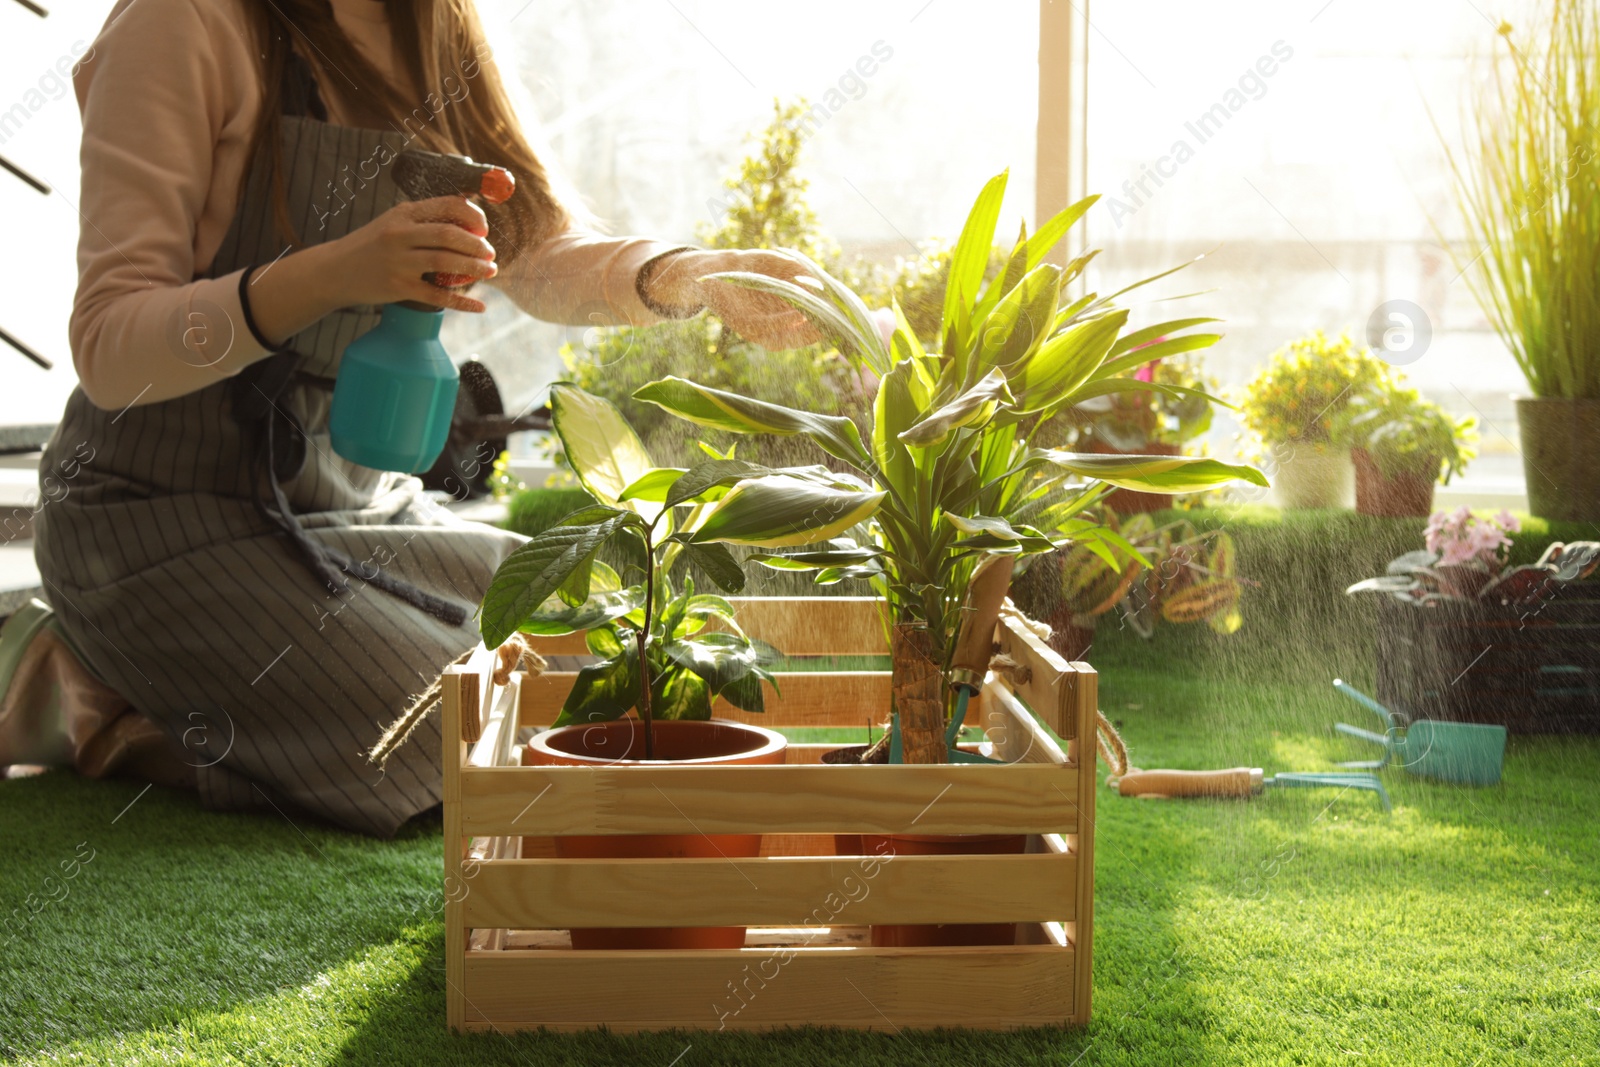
(1306,927)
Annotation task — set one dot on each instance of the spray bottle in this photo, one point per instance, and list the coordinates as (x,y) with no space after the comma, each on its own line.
(396,389)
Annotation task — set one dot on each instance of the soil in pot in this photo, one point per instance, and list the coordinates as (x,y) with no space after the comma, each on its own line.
(621,743)
(1131,501)
(925,935)
(1559,441)
(1407,495)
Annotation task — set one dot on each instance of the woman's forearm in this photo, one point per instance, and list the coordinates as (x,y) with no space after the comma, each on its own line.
(287,296)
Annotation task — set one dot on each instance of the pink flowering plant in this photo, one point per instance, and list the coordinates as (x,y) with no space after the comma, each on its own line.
(1465,559)
(1461,538)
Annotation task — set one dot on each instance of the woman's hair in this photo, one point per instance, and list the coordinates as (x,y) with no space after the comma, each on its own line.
(461,107)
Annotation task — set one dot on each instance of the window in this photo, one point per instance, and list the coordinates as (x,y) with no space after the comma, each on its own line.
(1293,144)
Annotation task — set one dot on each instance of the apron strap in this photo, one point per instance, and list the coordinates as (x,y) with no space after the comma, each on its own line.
(278,450)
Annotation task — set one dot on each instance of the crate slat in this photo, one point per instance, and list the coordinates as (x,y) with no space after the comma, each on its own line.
(804,698)
(867,988)
(1047,683)
(926,799)
(561,894)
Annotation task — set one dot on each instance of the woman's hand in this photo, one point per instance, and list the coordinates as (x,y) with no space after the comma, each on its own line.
(384,261)
(684,282)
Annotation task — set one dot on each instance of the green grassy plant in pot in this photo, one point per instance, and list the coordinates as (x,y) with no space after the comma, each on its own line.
(660,657)
(951,443)
(1529,190)
(1293,407)
(1151,423)
(1176,575)
(1401,445)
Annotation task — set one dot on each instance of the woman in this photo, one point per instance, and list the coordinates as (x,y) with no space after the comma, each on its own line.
(265,603)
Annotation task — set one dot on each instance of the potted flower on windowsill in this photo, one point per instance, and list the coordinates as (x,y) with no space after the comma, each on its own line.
(1293,407)
(1531,204)
(659,656)
(1152,423)
(1401,445)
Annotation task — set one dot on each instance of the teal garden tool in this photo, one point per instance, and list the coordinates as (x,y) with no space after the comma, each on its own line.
(1462,752)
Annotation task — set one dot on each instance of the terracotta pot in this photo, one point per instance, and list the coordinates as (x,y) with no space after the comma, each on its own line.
(1314,476)
(1560,439)
(1131,501)
(621,743)
(894,935)
(1405,496)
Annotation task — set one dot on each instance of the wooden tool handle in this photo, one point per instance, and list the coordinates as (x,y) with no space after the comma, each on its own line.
(991,580)
(1234,782)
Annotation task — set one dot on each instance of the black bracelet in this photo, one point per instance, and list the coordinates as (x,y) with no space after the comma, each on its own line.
(646,270)
(244,306)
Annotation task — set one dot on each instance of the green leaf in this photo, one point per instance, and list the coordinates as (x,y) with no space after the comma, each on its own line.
(903,395)
(782,510)
(1191,342)
(603,691)
(975,407)
(555,618)
(575,590)
(653,485)
(704,476)
(603,641)
(823,311)
(835,434)
(1051,233)
(835,575)
(705,606)
(722,659)
(1153,474)
(602,448)
(989,532)
(533,572)
(1020,322)
(719,565)
(968,260)
(1149,334)
(1066,361)
(678,695)
(840,552)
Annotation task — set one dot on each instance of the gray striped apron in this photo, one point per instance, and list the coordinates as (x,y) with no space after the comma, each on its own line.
(189,591)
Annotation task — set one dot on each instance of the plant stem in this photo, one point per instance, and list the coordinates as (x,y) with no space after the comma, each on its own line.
(644,643)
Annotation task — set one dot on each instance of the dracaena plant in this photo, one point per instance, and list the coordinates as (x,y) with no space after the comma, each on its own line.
(951,446)
(659,654)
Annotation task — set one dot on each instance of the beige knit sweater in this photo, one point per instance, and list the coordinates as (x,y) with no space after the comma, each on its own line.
(170,95)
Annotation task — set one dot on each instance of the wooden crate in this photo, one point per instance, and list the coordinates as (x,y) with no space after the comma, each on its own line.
(807,957)
(1531,670)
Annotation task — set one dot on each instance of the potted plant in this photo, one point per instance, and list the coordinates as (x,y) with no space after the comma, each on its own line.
(1175,575)
(1293,407)
(667,652)
(1401,445)
(1151,423)
(950,450)
(1531,206)
(1464,636)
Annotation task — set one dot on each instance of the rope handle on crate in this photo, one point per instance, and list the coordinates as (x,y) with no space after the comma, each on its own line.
(516,654)
(1107,741)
